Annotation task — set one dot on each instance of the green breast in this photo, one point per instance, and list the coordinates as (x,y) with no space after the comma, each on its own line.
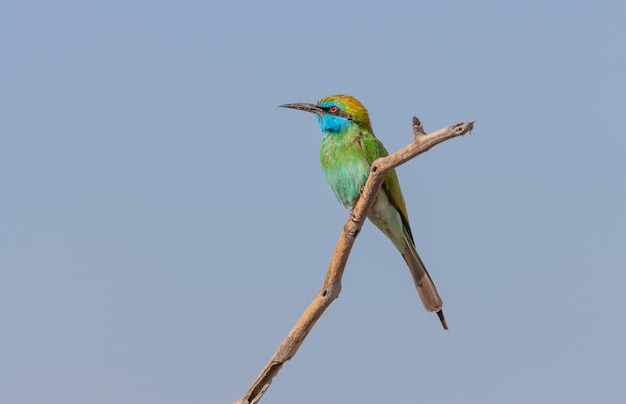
(345,165)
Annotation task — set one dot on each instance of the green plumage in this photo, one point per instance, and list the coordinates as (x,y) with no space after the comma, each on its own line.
(347,151)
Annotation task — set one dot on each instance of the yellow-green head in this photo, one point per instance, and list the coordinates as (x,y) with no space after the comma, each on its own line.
(335,113)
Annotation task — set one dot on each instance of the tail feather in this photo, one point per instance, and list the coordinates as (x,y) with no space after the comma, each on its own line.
(423,283)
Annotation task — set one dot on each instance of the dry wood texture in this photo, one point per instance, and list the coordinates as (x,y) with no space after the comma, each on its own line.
(332,284)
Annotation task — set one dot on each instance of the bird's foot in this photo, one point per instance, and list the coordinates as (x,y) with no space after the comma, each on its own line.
(353,218)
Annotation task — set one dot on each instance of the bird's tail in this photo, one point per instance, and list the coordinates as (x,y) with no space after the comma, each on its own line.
(424,284)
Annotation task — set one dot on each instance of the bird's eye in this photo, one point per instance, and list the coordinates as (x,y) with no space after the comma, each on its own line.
(333,109)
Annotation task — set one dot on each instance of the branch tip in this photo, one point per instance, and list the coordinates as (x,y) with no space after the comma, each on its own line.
(418,127)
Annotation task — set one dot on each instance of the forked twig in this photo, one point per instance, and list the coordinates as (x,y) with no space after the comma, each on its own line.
(332,284)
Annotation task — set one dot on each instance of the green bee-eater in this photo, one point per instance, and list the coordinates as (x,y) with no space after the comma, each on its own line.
(348,149)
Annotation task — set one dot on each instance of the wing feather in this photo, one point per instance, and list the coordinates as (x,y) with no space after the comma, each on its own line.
(374,149)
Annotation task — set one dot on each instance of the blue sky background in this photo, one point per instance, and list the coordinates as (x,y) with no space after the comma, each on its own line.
(164,224)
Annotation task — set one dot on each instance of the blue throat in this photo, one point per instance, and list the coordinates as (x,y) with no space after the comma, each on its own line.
(332,123)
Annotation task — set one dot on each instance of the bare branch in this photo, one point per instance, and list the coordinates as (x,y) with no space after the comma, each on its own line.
(332,284)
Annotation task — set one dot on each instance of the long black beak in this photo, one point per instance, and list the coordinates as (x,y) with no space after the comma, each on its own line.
(305,107)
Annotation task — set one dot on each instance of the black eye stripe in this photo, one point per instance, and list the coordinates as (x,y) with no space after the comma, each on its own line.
(338,112)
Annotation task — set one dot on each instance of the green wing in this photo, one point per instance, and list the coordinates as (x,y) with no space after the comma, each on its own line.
(374,149)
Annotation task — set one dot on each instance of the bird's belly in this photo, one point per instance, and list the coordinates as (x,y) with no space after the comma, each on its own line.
(385,216)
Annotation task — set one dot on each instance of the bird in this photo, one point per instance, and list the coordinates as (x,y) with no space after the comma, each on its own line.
(348,149)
